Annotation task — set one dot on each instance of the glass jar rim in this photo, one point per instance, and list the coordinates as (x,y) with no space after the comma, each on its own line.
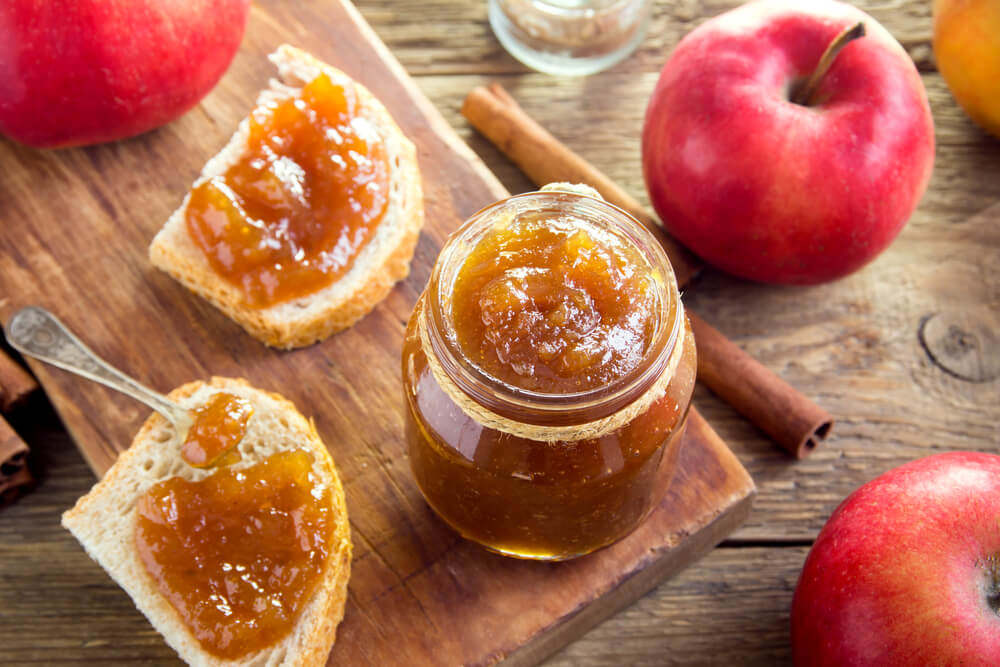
(545,408)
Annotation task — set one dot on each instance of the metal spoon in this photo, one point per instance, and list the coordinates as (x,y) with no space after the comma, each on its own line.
(37,333)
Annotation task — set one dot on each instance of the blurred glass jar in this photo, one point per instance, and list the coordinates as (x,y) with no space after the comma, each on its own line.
(532,473)
(569,37)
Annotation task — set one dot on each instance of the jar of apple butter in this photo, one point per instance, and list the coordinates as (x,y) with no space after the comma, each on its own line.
(548,369)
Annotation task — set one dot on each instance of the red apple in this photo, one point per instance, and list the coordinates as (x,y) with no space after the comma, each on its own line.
(781,191)
(907,570)
(75,72)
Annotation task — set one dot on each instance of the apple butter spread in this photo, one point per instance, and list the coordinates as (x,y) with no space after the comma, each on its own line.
(238,554)
(306,196)
(548,304)
(548,369)
(218,427)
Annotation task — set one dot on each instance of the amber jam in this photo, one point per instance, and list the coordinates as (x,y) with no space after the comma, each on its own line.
(305,198)
(218,427)
(548,370)
(239,553)
(545,303)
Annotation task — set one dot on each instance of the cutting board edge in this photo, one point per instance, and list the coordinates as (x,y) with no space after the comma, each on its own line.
(691,549)
(442,128)
(99,460)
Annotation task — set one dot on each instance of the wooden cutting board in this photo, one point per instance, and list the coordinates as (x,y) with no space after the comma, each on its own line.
(74,228)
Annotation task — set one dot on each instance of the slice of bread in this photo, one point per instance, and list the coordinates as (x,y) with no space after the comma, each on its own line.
(380,264)
(104,521)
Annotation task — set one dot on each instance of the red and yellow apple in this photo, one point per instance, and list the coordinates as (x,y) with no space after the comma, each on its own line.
(76,72)
(967,51)
(781,191)
(906,572)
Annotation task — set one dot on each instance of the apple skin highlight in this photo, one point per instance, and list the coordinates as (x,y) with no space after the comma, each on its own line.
(774,191)
(79,72)
(905,570)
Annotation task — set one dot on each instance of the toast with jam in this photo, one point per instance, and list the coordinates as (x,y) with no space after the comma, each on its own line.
(307,217)
(244,562)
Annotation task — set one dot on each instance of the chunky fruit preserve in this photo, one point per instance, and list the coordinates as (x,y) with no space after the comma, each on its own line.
(548,304)
(238,554)
(218,427)
(306,196)
(548,370)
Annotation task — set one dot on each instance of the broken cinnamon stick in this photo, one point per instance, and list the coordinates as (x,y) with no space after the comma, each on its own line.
(16,384)
(14,474)
(792,420)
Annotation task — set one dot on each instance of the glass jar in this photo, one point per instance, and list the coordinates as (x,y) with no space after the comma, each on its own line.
(532,473)
(569,37)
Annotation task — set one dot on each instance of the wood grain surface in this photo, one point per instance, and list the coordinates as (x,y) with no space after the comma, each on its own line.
(854,346)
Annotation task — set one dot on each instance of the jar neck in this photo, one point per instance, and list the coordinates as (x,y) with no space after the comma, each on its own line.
(539,408)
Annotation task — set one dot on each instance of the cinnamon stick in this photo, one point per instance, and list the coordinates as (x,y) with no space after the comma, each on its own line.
(16,384)
(14,474)
(544,159)
(792,420)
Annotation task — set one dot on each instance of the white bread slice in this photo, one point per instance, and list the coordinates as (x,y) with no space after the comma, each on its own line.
(104,520)
(385,260)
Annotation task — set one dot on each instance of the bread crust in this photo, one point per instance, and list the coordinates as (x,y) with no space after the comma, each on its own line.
(104,521)
(384,261)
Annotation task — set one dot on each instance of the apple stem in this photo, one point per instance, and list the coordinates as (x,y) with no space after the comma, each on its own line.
(803,93)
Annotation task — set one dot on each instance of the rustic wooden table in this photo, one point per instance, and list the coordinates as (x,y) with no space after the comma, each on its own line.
(855,346)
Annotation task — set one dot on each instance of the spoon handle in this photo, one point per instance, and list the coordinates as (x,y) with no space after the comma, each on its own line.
(37,333)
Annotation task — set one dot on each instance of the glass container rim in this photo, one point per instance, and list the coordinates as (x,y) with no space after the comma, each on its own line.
(544,408)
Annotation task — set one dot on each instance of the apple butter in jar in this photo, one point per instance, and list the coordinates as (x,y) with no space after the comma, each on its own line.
(548,369)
